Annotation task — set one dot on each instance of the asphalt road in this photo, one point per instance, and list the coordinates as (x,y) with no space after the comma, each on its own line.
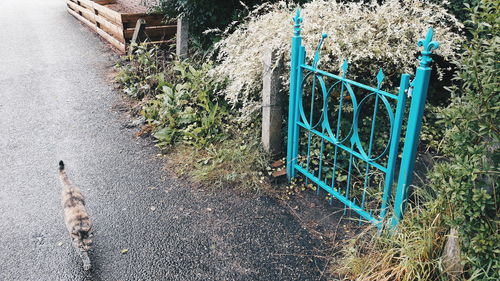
(56,102)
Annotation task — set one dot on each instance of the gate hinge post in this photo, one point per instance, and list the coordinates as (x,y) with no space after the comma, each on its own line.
(412,137)
(292,125)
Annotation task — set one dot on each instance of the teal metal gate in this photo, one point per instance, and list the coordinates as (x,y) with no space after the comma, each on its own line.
(342,156)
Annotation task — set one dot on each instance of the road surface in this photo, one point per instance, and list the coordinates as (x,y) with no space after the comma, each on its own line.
(56,102)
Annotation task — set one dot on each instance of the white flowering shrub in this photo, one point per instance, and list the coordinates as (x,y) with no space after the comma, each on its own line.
(370,36)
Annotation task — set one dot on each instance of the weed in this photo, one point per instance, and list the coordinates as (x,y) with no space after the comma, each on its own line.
(188,109)
(237,163)
(413,252)
(139,72)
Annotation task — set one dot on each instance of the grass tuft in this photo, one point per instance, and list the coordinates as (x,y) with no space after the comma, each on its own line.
(235,163)
(411,252)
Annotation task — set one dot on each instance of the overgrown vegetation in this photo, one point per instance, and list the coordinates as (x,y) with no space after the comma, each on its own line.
(413,252)
(468,177)
(237,162)
(462,191)
(204,15)
(187,109)
(139,73)
(458,7)
(205,113)
(371,36)
(188,118)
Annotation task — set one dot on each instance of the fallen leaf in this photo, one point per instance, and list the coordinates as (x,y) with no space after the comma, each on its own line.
(123,251)
(277,164)
(279,173)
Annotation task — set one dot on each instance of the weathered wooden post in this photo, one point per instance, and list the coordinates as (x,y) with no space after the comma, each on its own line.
(138,36)
(272,103)
(182,46)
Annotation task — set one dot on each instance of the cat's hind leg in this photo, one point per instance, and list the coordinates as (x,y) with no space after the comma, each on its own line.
(86,260)
(82,253)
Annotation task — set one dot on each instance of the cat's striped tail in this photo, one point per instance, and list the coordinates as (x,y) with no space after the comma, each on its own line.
(63,176)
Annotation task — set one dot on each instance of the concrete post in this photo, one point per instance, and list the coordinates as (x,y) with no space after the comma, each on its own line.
(182,38)
(272,104)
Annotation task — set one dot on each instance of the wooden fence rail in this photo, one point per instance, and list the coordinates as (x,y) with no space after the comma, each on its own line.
(118,28)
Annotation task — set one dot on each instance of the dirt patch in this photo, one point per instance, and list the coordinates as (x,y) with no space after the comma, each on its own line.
(329,224)
(128,6)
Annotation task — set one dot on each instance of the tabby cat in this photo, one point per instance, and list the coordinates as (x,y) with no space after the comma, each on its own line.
(76,217)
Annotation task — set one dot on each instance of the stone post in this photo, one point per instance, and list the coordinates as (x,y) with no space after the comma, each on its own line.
(182,38)
(452,262)
(272,104)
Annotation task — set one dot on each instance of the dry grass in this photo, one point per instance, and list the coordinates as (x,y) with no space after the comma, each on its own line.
(235,163)
(412,252)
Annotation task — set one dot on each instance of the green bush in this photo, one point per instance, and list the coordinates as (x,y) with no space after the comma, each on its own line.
(180,101)
(203,15)
(458,7)
(469,178)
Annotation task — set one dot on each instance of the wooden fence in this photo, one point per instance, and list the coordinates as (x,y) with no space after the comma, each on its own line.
(118,28)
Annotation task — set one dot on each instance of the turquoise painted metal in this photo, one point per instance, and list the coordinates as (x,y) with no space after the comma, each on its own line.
(292,127)
(420,86)
(364,159)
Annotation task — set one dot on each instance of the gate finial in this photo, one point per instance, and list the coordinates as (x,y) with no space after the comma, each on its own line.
(429,46)
(345,66)
(380,78)
(297,20)
(318,49)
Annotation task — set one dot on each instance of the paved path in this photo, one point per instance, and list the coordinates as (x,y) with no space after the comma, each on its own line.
(56,103)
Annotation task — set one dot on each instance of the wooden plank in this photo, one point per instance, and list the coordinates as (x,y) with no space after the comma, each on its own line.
(112,15)
(100,21)
(139,34)
(85,5)
(163,42)
(111,28)
(105,2)
(107,13)
(154,32)
(158,42)
(115,27)
(129,20)
(81,10)
(117,44)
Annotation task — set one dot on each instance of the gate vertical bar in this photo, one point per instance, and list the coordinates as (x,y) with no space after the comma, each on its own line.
(395,139)
(292,139)
(412,137)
